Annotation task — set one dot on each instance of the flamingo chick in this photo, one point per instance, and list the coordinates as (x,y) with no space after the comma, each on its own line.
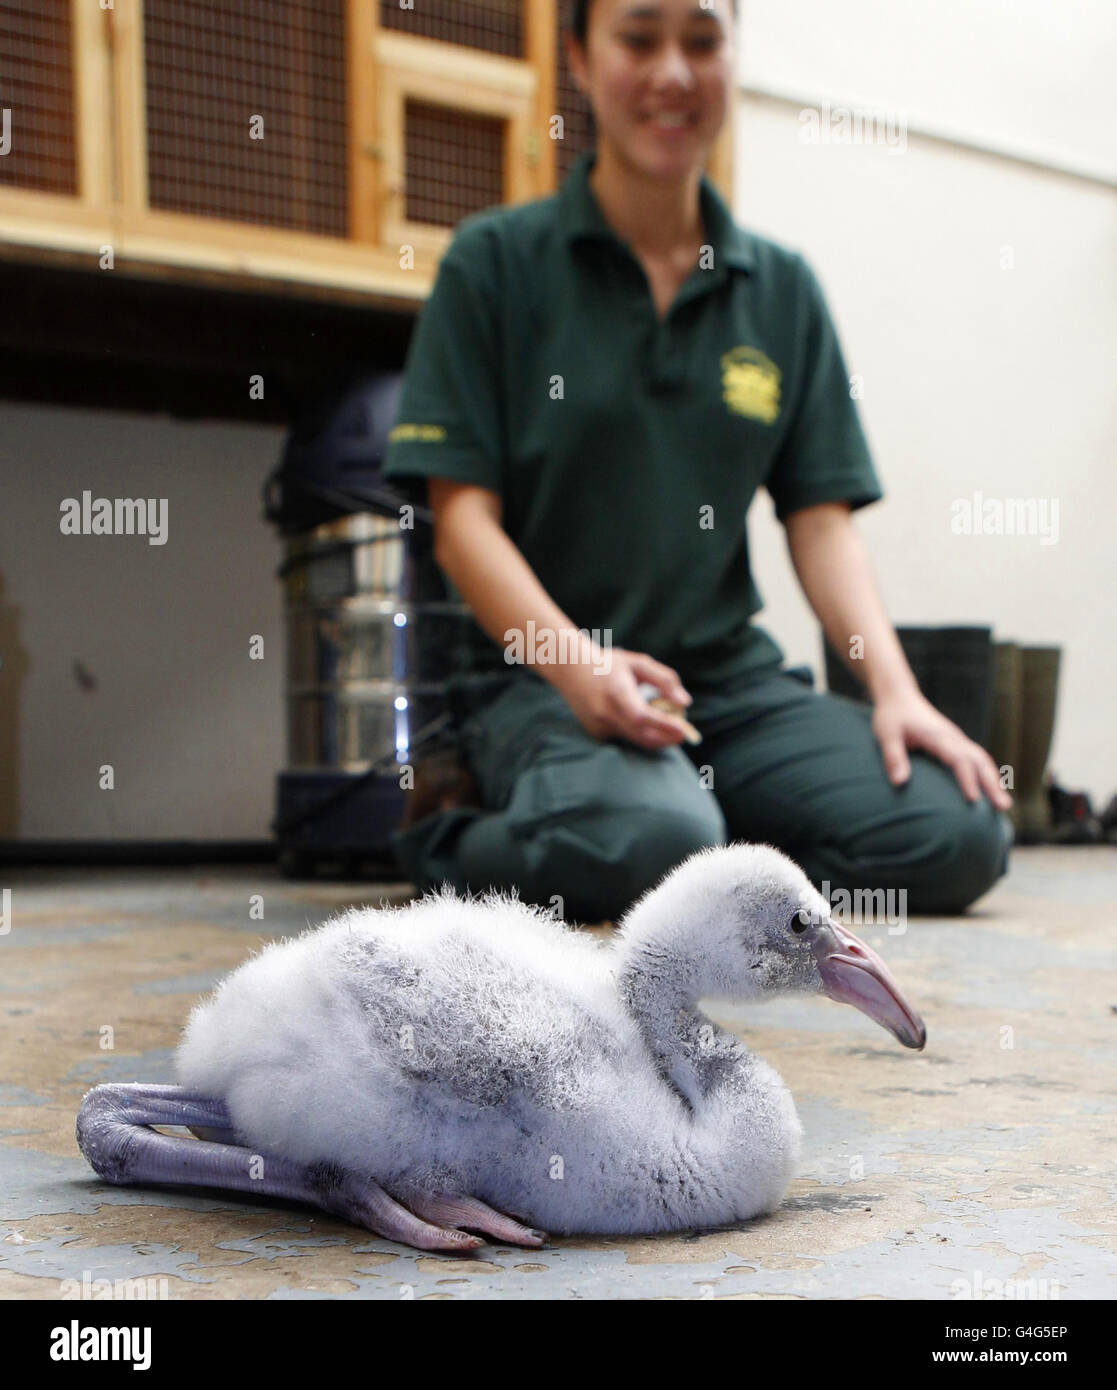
(422,1070)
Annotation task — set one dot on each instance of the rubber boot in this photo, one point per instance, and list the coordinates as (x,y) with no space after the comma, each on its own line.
(954,668)
(1004,723)
(917,644)
(1039,680)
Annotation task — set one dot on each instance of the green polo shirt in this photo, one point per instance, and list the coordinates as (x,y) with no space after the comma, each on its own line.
(627,449)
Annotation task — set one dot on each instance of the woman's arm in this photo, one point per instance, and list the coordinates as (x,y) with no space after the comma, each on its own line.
(504,594)
(833,566)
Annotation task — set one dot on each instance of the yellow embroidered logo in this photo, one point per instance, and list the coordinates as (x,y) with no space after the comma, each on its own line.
(750,383)
(430,432)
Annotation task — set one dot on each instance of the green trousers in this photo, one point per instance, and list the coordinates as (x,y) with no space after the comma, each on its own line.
(596,823)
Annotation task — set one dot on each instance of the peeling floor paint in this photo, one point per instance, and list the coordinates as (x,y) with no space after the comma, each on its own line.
(989,1157)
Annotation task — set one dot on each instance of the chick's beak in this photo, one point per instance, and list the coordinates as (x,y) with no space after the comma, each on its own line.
(853,973)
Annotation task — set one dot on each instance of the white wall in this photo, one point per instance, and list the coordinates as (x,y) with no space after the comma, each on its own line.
(1032,76)
(193,729)
(976,377)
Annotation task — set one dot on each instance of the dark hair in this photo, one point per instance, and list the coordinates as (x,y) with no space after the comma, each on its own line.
(580,18)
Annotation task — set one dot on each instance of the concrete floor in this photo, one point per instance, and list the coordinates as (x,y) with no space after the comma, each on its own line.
(987,1158)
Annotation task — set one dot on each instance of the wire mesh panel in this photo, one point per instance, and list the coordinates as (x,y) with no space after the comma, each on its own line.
(246,111)
(579,132)
(454,162)
(36,96)
(496,26)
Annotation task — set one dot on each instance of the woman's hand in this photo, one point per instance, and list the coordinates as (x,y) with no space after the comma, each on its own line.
(610,705)
(909,720)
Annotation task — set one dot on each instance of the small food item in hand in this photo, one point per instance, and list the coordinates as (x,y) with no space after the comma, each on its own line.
(669,707)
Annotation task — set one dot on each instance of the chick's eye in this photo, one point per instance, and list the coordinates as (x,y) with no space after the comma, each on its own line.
(800,921)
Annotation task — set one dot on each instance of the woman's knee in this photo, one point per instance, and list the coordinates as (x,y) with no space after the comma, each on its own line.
(963,851)
(607,857)
(941,850)
(663,836)
(595,828)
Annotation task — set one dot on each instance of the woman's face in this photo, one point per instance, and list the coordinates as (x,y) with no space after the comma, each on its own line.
(658,74)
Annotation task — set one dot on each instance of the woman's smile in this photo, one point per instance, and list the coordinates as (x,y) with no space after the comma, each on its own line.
(672,124)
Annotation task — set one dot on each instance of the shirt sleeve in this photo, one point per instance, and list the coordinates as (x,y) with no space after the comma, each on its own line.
(449,422)
(824,456)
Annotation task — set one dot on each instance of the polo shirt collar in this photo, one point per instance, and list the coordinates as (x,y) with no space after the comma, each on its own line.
(581,216)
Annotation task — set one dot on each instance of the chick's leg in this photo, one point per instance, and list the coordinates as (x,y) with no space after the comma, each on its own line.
(114,1133)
